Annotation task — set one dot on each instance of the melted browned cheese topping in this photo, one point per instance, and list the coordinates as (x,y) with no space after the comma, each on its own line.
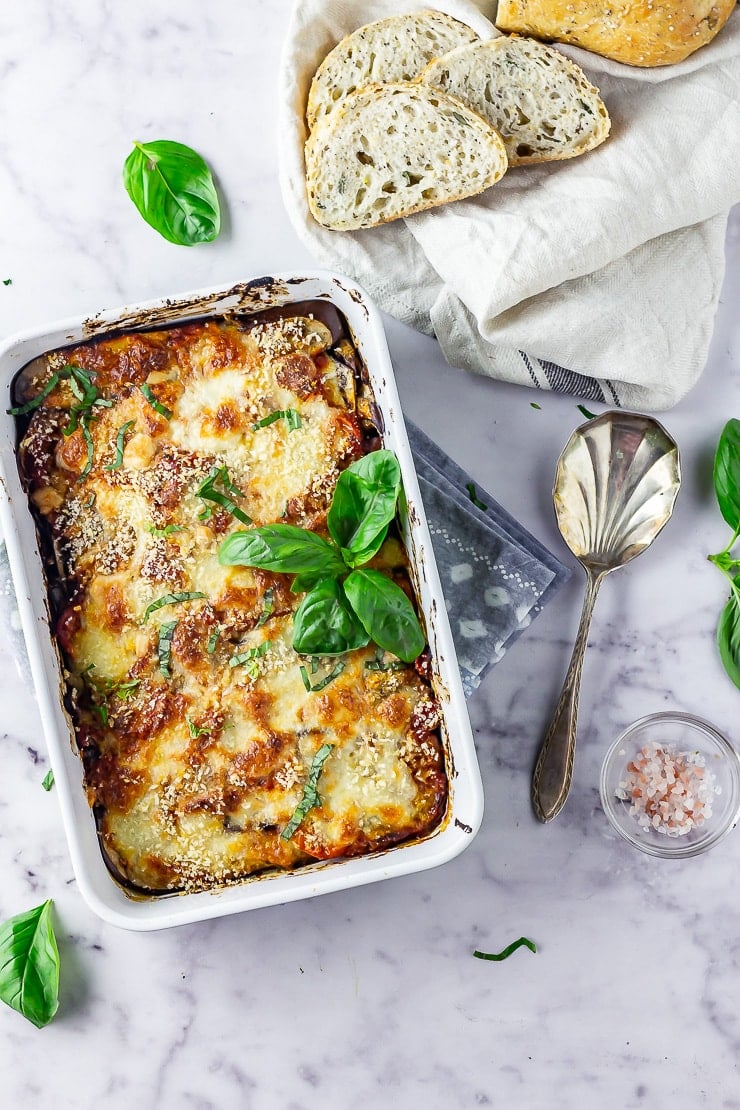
(195,763)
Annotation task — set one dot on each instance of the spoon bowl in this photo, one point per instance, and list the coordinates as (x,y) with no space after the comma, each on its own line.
(616,484)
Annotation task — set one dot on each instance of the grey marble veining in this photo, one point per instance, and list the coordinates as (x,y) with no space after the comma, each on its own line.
(370,997)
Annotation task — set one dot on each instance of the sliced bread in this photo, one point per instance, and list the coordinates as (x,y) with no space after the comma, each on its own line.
(387,51)
(541,102)
(391,150)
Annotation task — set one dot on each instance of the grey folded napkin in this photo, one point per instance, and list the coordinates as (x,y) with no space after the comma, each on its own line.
(496,577)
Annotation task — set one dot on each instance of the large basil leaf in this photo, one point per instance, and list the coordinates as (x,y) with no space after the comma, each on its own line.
(727,473)
(29,965)
(364,504)
(386,613)
(283,548)
(728,634)
(172,187)
(324,623)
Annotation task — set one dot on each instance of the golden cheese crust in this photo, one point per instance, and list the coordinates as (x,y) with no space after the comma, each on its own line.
(639,32)
(197,722)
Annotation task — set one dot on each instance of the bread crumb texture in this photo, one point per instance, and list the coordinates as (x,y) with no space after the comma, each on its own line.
(542,103)
(395,149)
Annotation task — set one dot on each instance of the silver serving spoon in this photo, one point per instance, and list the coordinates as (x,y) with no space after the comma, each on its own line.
(615,487)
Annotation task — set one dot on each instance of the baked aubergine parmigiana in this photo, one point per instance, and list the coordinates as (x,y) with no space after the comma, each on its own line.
(212,749)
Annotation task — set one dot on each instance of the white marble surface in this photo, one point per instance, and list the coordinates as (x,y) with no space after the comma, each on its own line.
(370,997)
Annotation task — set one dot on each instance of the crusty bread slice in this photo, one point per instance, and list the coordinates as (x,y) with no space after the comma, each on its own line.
(540,101)
(387,51)
(639,32)
(391,150)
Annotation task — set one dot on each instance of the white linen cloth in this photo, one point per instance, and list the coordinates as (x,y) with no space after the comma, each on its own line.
(598,276)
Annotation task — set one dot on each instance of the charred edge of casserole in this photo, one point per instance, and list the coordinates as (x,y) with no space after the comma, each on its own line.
(76,693)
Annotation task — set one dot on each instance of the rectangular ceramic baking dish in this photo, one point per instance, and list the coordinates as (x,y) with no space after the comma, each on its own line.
(465,806)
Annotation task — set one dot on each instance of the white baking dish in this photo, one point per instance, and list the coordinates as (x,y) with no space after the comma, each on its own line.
(465,807)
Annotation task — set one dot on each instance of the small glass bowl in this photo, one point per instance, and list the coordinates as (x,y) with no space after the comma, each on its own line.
(686,734)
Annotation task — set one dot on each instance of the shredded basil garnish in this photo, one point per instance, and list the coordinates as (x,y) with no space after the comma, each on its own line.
(164,647)
(269,606)
(48,780)
(470,487)
(207,492)
(292,416)
(21,410)
(156,405)
(166,531)
(120,442)
(171,599)
(586,413)
(195,730)
(250,657)
(125,690)
(310,797)
(379,664)
(213,640)
(322,683)
(523,942)
(102,712)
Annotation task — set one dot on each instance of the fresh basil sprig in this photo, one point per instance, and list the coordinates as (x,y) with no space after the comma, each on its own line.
(29,965)
(727,489)
(344,608)
(172,187)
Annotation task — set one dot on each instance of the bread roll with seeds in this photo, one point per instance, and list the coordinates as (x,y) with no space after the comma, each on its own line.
(541,102)
(386,51)
(391,150)
(638,32)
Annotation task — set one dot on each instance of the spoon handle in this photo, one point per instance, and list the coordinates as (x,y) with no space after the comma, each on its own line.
(554,768)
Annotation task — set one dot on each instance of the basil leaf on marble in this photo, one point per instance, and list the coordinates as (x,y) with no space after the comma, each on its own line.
(29,965)
(727,474)
(728,634)
(523,942)
(172,187)
(48,780)
(385,613)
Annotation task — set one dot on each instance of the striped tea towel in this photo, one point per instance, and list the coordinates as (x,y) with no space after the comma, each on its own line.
(598,276)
